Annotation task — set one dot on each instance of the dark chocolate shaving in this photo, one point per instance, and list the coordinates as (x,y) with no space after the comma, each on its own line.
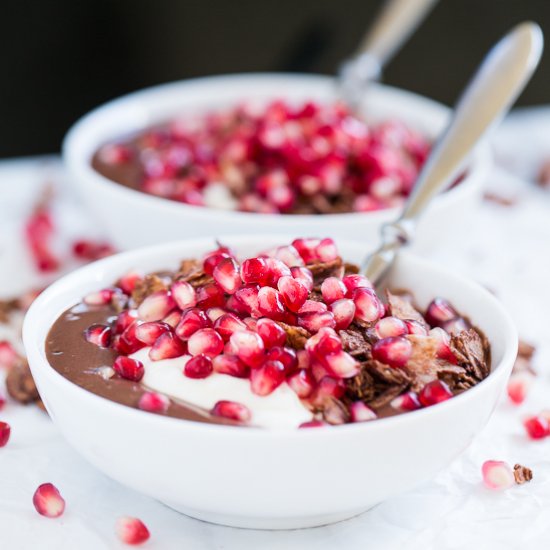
(191,271)
(296,337)
(401,306)
(322,270)
(7,307)
(355,343)
(472,352)
(522,474)
(146,287)
(20,384)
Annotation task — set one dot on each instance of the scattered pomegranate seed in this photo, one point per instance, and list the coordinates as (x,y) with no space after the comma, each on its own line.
(351,282)
(293,291)
(342,364)
(329,386)
(390,327)
(344,313)
(210,296)
(406,402)
(287,356)
(276,270)
(129,342)
(361,413)
(254,270)
(394,351)
(5,432)
(312,306)
(302,383)
(127,283)
(326,250)
(199,366)
(124,320)
(131,531)
(39,231)
(191,321)
(156,306)
(231,365)
(270,332)
(314,322)
(167,346)
(232,410)
(537,427)
(48,501)
(288,255)
(368,307)
(90,251)
(184,294)
(307,249)
(518,386)
(414,327)
(129,368)
(265,379)
(153,402)
(249,347)
(212,259)
(205,341)
(439,311)
(99,335)
(226,274)
(313,424)
(246,299)
(497,475)
(455,326)
(149,333)
(434,392)
(8,356)
(333,289)
(99,298)
(270,303)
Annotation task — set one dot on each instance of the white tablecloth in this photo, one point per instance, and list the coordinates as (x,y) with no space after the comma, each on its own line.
(507,249)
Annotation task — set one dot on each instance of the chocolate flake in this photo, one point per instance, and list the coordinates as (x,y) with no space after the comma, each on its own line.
(355,343)
(401,307)
(20,384)
(7,307)
(192,271)
(472,352)
(146,287)
(322,270)
(524,358)
(296,337)
(522,474)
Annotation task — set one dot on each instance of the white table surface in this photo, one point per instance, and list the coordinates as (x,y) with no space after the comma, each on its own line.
(506,248)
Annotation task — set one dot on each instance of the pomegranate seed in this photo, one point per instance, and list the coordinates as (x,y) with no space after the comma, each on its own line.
(129,368)
(251,323)
(311,306)
(214,313)
(5,432)
(455,326)
(293,291)
(304,275)
(115,153)
(390,326)
(153,402)
(205,341)
(497,475)
(307,249)
(342,364)
(333,289)
(8,356)
(227,324)
(414,327)
(326,251)
(232,410)
(361,413)
(394,351)
(48,501)
(191,321)
(368,307)
(433,393)
(199,366)
(270,332)
(439,311)
(148,333)
(99,335)
(325,342)
(131,530)
(303,359)
(443,349)
(313,424)
(276,270)
(39,230)
(287,356)
(227,275)
(213,259)
(406,402)
(248,298)
(210,296)
(184,294)
(288,255)
(167,346)
(329,386)
(124,320)
(270,303)
(353,281)
(249,347)
(302,383)
(90,251)
(265,379)
(2,402)
(537,427)
(156,306)
(314,322)
(254,270)
(99,298)
(344,313)
(518,386)
(128,342)
(231,365)
(127,283)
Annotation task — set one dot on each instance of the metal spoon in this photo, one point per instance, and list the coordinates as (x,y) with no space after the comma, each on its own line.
(393,26)
(497,83)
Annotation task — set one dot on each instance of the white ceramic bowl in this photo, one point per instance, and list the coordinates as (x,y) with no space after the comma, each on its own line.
(259,478)
(132,218)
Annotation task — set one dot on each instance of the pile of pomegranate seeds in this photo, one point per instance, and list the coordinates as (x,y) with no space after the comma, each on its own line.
(296,314)
(309,158)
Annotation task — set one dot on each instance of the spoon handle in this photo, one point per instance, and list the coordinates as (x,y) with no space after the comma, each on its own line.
(395,23)
(392,27)
(497,83)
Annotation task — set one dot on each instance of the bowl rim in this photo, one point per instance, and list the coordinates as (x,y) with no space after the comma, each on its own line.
(79,163)
(35,349)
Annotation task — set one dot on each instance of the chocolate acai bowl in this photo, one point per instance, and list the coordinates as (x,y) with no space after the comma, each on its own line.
(260,153)
(287,457)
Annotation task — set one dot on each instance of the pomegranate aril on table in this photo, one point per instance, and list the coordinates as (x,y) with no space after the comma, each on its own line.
(352,166)
(48,501)
(295,325)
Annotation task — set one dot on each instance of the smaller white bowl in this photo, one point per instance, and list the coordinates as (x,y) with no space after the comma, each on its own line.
(132,218)
(258,478)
